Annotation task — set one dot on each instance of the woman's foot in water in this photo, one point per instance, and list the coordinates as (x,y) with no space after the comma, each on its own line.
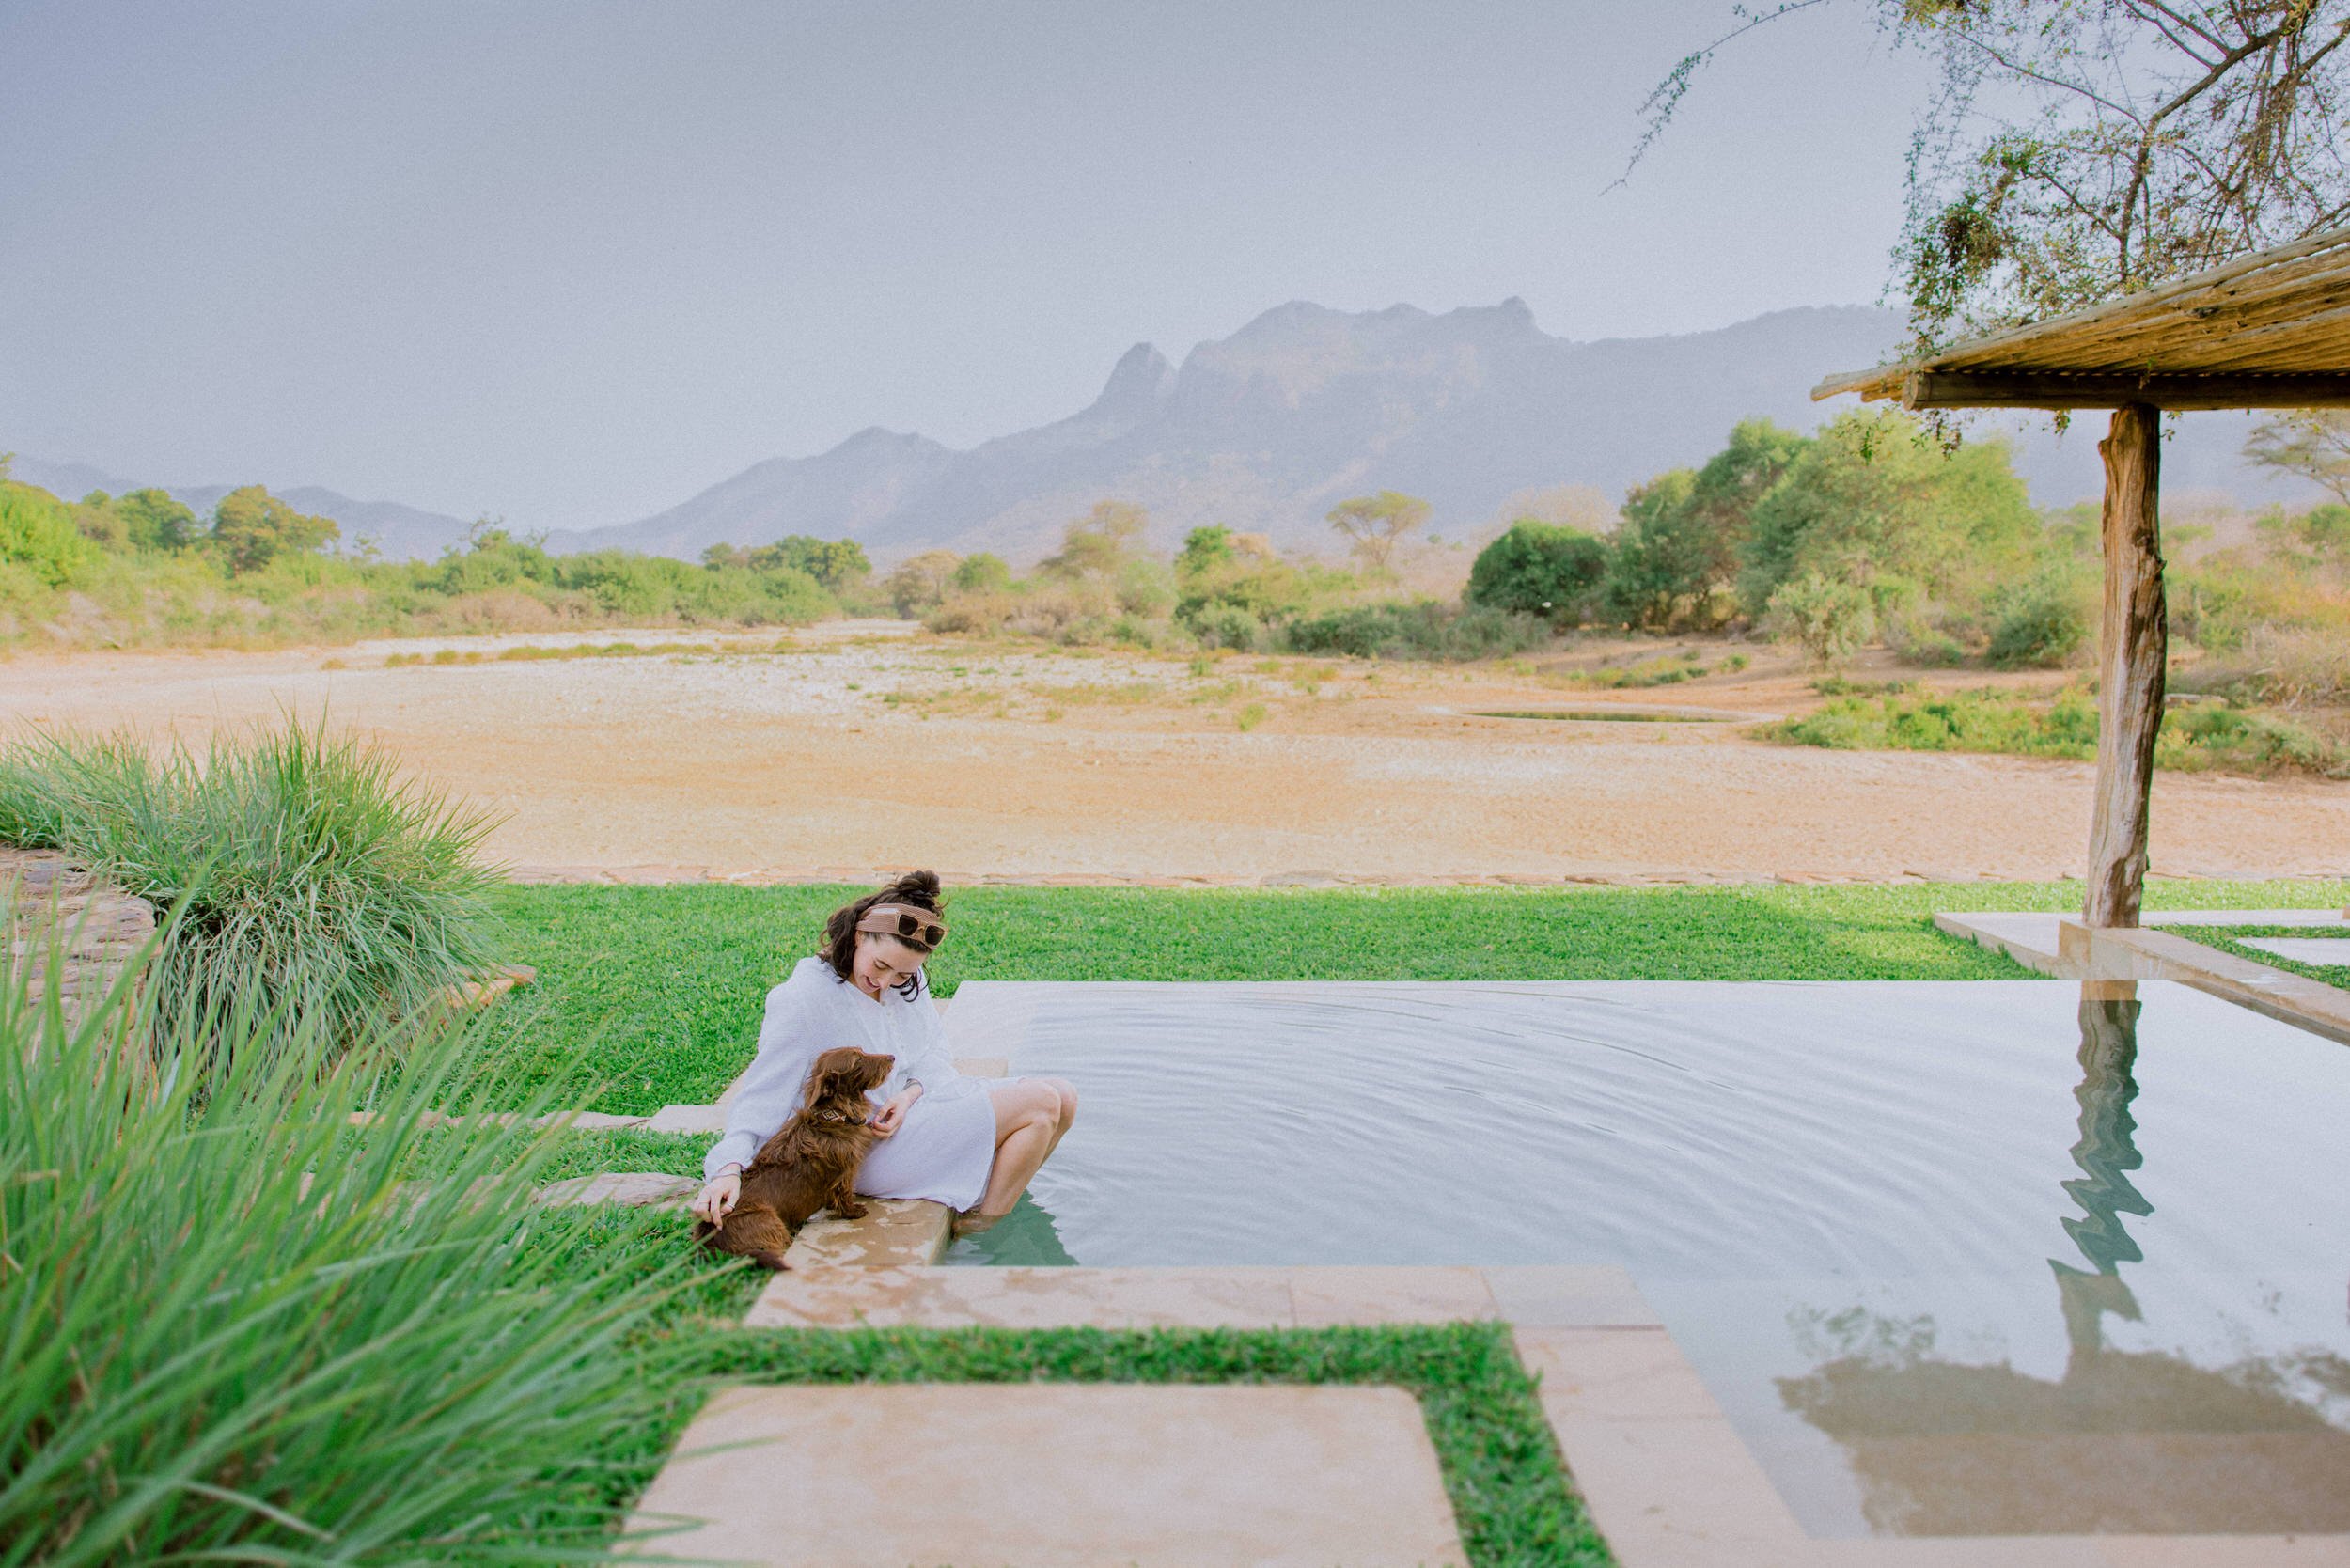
(970,1222)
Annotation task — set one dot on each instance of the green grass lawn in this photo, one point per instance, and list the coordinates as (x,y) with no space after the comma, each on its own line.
(662,986)
(2227,939)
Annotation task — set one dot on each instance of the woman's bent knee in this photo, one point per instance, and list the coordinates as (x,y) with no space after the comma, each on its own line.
(1068,1095)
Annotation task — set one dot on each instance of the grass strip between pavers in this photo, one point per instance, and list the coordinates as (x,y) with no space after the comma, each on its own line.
(1500,1464)
(662,986)
(1512,1497)
(2228,939)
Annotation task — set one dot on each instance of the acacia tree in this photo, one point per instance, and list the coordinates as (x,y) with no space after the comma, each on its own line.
(1099,543)
(251,528)
(2312,443)
(919,583)
(1375,525)
(2077,150)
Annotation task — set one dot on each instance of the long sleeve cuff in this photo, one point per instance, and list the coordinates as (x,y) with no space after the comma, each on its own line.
(736,1148)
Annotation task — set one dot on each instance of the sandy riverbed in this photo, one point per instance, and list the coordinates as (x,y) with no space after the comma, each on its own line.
(859,748)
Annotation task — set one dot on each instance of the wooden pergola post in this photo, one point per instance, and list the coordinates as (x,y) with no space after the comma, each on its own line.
(2271,330)
(2133,648)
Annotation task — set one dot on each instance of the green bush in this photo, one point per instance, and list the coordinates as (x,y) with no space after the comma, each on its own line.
(2043,624)
(2204,737)
(1219,623)
(1874,496)
(981,572)
(1828,619)
(1422,630)
(236,1330)
(1541,569)
(298,864)
(37,537)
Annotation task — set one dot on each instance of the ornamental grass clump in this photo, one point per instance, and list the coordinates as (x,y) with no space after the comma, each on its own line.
(237,1328)
(287,863)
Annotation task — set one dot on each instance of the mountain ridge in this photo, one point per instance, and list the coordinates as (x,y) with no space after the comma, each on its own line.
(1266,428)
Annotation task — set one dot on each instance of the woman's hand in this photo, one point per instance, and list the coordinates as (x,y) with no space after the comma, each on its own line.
(718,1197)
(892,1116)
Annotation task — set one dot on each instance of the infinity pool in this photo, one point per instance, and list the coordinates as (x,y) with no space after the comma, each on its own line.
(1956,1258)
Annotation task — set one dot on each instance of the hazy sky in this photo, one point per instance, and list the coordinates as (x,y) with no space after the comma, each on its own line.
(569,262)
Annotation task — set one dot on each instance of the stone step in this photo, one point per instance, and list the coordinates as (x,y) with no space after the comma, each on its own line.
(1053,1476)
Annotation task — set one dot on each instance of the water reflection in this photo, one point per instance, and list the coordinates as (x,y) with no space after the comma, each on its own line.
(1029,1237)
(2124,1441)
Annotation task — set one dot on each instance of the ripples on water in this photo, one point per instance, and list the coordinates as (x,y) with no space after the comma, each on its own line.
(1957,1257)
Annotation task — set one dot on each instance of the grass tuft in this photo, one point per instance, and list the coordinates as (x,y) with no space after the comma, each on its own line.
(288,864)
(232,1334)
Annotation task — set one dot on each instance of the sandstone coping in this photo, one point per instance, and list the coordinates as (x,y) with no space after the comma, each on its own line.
(2063,947)
(2030,937)
(2138,954)
(914,1296)
(1055,1476)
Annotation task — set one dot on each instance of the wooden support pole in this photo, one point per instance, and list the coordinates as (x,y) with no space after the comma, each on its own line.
(2133,648)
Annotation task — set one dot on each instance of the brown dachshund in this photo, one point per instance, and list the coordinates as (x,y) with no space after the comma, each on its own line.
(809,1165)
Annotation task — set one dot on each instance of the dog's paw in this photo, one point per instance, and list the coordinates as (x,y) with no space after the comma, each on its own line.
(850,1210)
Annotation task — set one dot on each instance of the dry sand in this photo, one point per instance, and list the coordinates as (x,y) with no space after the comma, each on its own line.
(862,748)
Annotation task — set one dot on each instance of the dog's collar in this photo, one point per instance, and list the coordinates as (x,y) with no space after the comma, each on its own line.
(836,1116)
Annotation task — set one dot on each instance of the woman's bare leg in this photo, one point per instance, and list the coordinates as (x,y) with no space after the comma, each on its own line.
(1068,1108)
(1027,1124)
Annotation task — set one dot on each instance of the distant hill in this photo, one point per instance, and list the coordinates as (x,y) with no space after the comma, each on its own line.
(402,532)
(1268,428)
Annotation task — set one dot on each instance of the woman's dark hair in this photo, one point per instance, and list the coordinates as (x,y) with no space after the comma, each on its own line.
(839,947)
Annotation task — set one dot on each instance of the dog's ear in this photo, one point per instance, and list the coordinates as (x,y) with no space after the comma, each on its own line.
(831,1070)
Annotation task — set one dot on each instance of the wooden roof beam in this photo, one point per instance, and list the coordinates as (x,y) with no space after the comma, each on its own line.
(2097,389)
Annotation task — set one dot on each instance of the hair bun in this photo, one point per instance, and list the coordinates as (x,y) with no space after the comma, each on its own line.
(915,887)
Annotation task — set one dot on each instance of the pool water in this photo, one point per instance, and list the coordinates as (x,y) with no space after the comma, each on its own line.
(1956,1258)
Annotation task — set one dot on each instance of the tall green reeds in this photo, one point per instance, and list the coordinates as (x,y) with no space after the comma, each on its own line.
(235,1329)
(304,872)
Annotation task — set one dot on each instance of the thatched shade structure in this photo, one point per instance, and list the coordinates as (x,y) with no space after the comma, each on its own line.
(2269,331)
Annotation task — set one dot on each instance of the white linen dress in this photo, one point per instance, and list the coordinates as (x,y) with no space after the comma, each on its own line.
(946,1144)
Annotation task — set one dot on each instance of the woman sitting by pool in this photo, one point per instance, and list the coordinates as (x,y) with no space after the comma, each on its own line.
(968,1143)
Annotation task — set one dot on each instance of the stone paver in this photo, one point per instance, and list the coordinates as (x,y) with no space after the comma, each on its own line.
(636,1189)
(687,1119)
(1321,1298)
(895,1233)
(1665,1475)
(1027,1298)
(1569,1297)
(1066,1476)
(2325,951)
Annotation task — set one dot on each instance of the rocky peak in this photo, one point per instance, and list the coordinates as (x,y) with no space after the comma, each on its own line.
(1141,383)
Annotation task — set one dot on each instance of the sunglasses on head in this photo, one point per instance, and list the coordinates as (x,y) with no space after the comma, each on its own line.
(905,921)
